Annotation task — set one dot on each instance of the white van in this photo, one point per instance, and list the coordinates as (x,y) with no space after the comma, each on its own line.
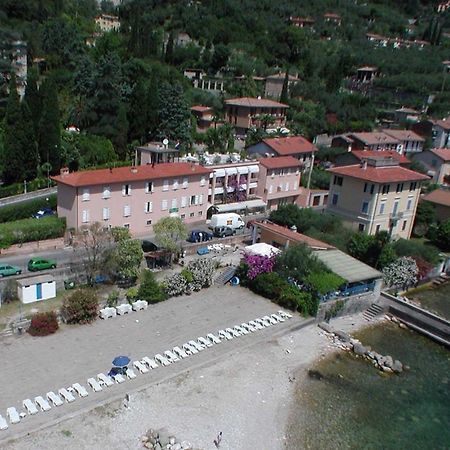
(231,220)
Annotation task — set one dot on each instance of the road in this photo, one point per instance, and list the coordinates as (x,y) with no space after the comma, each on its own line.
(15,199)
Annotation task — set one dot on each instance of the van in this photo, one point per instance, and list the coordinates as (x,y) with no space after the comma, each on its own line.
(231,220)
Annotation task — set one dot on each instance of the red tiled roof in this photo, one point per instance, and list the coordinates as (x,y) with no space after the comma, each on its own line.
(444,123)
(364,154)
(404,135)
(201,108)
(380,174)
(128,174)
(279,162)
(251,102)
(375,138)
(294,236)
(332,15)
(290,145)
(443,153)
(439,196)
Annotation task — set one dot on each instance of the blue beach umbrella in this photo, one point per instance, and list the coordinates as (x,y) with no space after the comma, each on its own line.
(121,361)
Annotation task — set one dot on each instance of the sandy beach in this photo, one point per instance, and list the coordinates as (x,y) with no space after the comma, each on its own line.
(247,395)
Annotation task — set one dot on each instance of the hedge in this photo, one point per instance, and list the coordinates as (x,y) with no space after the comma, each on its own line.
(18,188)
(29,230)
(25,210)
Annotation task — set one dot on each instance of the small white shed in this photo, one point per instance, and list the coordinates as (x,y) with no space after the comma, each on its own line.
(36,289)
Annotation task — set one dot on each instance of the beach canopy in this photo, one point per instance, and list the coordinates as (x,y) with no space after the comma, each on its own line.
(121,361)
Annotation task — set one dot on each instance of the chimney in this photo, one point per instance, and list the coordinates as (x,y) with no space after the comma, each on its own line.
(363,164)
(64,171)
(110,169)
(133,169)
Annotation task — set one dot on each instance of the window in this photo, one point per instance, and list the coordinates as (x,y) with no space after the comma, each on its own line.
(127,226)
(361,227)
(316,200)
(372,188)
(200,213)
(183,202)
(194,200)
(334,200)
(270,189)
(175,184)
(174,203)
(106,214)
(377,230)
(85,216)
(395,209)
(200,199)
(385,189)
(149,187)
(338,180)
(106,192)
(409,204)
(192,214)
(365,187)
(165,185)
(399,187)
(148,207)
(183,216)
(202,181)
(382,207)
(127,211)
(185,183)
(126,189)
(405,222)
(86,194)
(413,186)
(365,207)
(164,205)
(149,222)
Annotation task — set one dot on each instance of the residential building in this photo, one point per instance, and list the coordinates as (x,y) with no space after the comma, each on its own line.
(436,130)
(156,153)
(279,181)
(19,65)
(302,22)
(247,112)
(204,116)
(406,115)
(106,23)
(440,199)
(332,18)
(296,146)
(312,198)
(437,162)
(366,74)
(358,156)
(410,141)
(274,84)
(133,197)
(376,195)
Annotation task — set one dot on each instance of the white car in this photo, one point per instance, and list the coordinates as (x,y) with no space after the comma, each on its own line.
(196,345)
(162,360)
(240,329)
(179,352)
(256,325)
(271,320)
(204,342)
(189,349)
(54,399)
(233,332)
(170,356)
(248,327)
(42,403)
(225,335)
(213,338)
(29,406)
(277,318)
(151,363)
(284,314)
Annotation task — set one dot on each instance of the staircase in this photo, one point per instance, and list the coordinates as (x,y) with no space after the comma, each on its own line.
(440,280)
(225,276)
(374,310)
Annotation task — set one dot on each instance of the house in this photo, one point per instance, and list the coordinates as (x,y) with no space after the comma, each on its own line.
(19,64)
(410,141)
(107,22)
(133,197)
(376,195)
(204,116)
(358,156)
(156,153)
(436,130)
(437,162)
(274,84)
(183,39)
(366,74)
(302,22)
(247,112)
(279,181)
(440,199)
(332,18)
(296,146)
(406,115)
(312,198)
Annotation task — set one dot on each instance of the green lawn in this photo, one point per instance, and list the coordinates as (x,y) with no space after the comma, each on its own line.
(434,299)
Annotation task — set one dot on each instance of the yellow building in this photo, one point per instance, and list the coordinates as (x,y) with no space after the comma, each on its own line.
(376,195)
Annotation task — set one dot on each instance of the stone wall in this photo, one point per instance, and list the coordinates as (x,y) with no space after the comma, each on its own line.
(352,305)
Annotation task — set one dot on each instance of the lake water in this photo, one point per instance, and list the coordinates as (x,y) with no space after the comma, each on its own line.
(356,407)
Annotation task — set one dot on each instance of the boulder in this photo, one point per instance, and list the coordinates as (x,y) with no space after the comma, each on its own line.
(386,369)
(397,366)
(342,335)
(359,349)
(326,327)
(149,445)
(388,361)
(186,445)
(163,438)
(172,440)
(144,438)
(176,446)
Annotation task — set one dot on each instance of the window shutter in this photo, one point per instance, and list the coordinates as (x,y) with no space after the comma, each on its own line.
(105,213)
(174,203)
(86,194)
(123,190)
(201,199)
(185,183)
(127,210)
(287,186)
(175,184)
(164,205)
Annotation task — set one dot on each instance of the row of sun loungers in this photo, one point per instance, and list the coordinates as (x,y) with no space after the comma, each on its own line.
(125,308)
(143,366)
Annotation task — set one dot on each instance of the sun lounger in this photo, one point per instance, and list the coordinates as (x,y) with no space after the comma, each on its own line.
(104,380)
(189,349)
(277,318)
(248,327)
(256,325)
(66,395)
(225,335)
(29,406)
(94,384)
(213,338)
(80,390)
(118,378)
(270,319)
(233,332)
(140,366)
(241,330)
(139,304)
(284,314)
(179,352)
(263,322)
(13,415)
(151,363)
(42,403)
(130,374)
(125,308)
(171,356)
(3,423)
(54,399)
(162,360)
(196,345)
(205,342)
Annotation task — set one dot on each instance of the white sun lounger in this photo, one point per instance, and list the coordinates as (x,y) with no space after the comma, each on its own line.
(80,390)
(240,329)
(201,340)
(66,395)
(284,314)
(94,384)
(139,304)
(256,325)
(13,415)
(118,378)
(213,338)
(179,352)
(151,363)
(42,403)
(104,380)
(124,308)
(248,327)
(263,322)
(189,349)
(162,360)
(277,318)
(233,332)
(196,345)
(130,374)
(54,399)
(3,423)
(171,356)
(29,406)
(271,320)
(225,335)
(140,366)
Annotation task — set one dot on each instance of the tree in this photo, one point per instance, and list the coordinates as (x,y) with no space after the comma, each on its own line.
(169,49)
(31,161)
(149,289)
(401,273)
(220,57)
(139,113)
(425,217)
(49,137)
(284,97)
(442,236)
(81,306)
(170,232)
(33,98)
(120,139)
(127,258)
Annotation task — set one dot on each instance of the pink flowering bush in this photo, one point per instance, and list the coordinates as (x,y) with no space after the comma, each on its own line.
(258,264)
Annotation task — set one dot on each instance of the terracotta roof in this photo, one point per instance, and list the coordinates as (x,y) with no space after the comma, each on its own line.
(129,174)
(380,174)
(294,236)
(290,145)
(407,110)
(443,153)
(364,154)
(375,138)
(439,196)
(282,75)
(251,102)
(368,68)
(404,135)
(279,162)
(444,123)
(201,108)
(332,16)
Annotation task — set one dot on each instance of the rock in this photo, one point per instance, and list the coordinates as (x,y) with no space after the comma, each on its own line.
(144,438)
(149,445)
(315,374)
(326,327)
(172,440)
(370,355)
(186,445)
(342,335)
(152,440)
(397,366)
(176,447)
(405,367)
(359,349)
(402,325)
(388,361)
(163,438)
(151,433)
(386,369)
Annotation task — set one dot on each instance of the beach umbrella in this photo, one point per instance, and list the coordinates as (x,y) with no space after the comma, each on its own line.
(121,361)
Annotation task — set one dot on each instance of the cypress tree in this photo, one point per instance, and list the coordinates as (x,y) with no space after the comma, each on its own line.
(120,140)
(138,113)
(29,145)
(284,97)
(33,98)
(169,49)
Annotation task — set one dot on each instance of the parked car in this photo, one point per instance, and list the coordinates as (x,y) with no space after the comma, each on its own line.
(44,212)
(35,264)
(231,220)
(148,246)
(199,236)
(223,231)
(7,270)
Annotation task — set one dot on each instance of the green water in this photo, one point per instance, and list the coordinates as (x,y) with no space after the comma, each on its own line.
(436,300)
(354,407)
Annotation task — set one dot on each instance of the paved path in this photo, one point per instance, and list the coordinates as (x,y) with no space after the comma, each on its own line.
(33,366)
(15,199)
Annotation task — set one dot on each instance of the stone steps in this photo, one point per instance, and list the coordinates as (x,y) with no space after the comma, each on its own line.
(373,311)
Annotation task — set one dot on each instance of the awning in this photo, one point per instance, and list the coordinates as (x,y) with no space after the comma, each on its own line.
(242,170)
(219,172)
(253,169)
(241,206)
(231,171)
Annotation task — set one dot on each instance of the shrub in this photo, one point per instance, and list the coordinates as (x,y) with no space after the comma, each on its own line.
(202,271)
(43,324)
(401,273)
(324,282)
(187,274)
(175,285)
(9,292)
(81,306)
(132,294)
(25,210)
(113,298)
(241,273)
(269,285)
(149,289)
(258,264)
(416,249)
